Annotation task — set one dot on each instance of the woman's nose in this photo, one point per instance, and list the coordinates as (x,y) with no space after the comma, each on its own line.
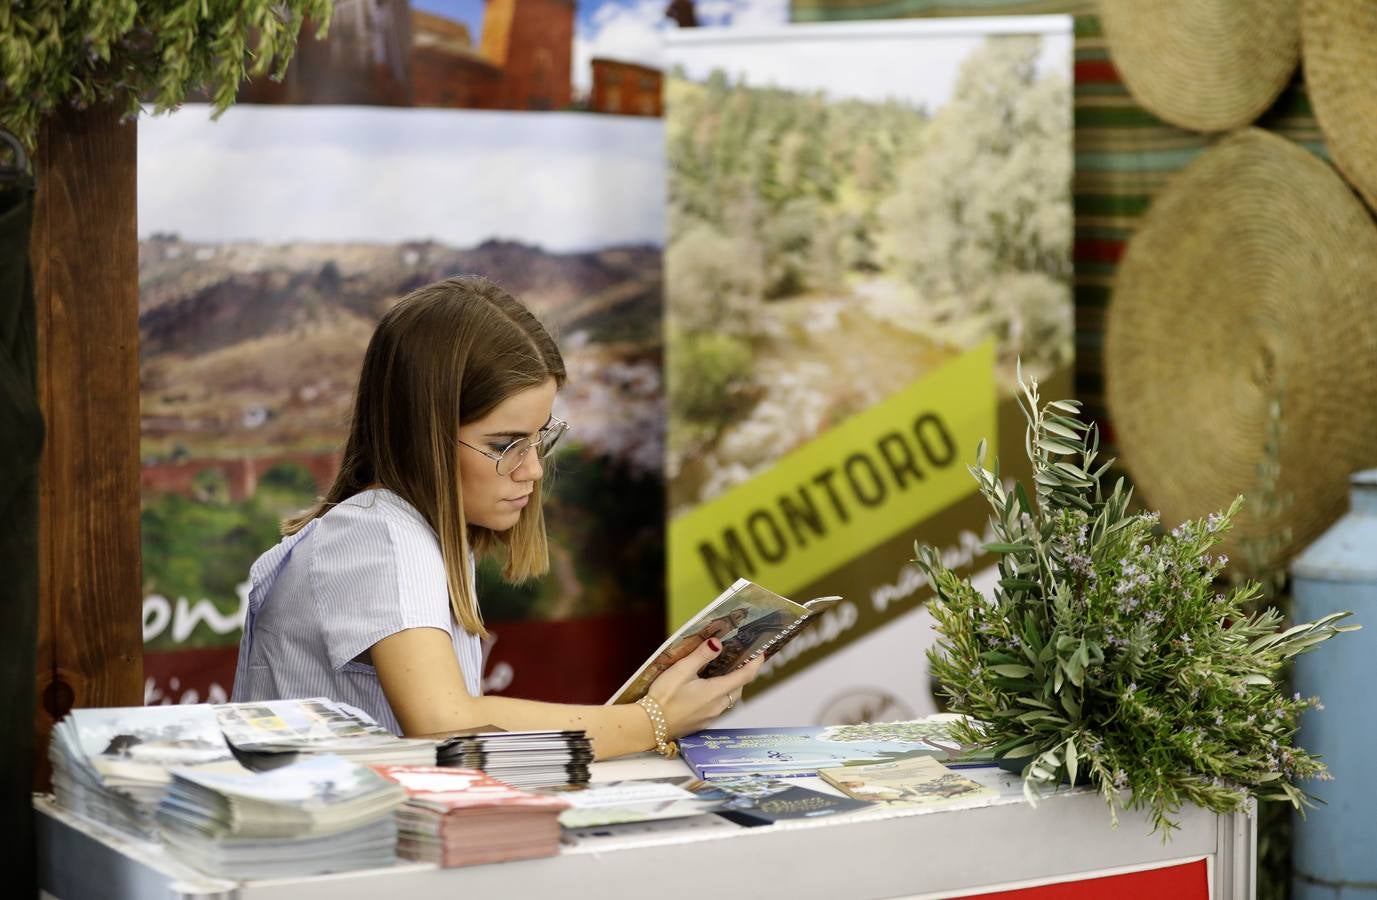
(530,468)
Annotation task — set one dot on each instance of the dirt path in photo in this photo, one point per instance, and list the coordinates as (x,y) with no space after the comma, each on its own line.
(827,358)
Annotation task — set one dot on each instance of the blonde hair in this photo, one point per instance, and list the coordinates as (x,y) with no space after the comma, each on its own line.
(446,354)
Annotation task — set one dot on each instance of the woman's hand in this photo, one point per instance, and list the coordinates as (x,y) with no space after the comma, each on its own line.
(689,702)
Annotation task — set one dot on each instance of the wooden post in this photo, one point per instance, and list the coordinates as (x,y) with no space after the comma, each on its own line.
(86,295)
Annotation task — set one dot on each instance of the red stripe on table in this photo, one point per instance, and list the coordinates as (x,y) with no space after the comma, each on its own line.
(1189,881)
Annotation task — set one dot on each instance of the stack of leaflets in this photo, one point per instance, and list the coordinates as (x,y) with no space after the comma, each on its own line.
(523,759)
(462,817)
(112,765)
(320,814)
(271,733)
(798,751)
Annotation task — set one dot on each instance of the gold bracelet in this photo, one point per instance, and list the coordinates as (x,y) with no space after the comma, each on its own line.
(666,748)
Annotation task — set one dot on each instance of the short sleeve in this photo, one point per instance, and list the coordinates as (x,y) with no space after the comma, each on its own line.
(374,574)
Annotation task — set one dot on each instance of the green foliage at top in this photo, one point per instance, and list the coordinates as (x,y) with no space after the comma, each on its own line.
(1106,650)
(56,52)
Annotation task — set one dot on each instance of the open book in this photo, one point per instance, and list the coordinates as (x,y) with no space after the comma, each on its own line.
(746,618)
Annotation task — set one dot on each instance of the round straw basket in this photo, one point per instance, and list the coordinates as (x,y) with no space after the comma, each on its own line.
(1339,47)
(1242,317)
(1206,65)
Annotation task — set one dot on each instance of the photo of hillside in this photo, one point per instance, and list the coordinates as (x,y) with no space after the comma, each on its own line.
(831,243)
(253,324)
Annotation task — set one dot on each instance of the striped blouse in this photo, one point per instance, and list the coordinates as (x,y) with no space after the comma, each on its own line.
(368,568)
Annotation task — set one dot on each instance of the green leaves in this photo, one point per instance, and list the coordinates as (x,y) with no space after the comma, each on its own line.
(56,53)
(1106,649)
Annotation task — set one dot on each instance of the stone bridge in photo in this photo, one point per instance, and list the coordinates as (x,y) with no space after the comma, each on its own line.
(241,473)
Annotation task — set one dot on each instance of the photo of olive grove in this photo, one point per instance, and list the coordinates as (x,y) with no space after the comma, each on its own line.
(825,251)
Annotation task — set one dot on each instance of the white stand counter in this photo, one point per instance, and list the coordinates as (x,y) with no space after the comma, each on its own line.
(999,846)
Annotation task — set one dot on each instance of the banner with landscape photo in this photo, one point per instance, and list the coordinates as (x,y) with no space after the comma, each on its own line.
(859,253)
(270,243)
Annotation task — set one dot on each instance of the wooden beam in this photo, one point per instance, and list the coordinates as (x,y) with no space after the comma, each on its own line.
(86,294)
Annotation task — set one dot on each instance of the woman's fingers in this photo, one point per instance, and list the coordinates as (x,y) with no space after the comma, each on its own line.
(735,680)
(686,669)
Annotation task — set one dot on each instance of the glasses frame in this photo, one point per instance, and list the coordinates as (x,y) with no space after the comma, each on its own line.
(559,426)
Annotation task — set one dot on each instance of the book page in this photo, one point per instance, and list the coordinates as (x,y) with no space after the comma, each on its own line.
(745,618)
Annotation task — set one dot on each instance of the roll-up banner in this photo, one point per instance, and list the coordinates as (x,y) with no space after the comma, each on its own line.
(869,225)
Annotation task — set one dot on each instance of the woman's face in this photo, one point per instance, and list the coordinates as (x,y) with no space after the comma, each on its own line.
(495,501)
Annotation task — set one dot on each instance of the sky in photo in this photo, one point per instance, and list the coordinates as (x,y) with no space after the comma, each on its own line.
(628,30)
(562,181)
(913,61)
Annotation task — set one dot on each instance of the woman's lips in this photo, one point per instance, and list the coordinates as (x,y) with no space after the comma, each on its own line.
(519,502)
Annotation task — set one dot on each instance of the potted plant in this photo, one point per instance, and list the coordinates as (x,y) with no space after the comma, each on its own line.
(1107,653)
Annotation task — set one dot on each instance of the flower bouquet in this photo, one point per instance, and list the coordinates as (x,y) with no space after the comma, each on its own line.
(1106,652)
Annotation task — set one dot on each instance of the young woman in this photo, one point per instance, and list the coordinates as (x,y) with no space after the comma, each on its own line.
(369,598)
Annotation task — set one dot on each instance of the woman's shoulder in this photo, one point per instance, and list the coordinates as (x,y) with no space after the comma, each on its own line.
(377,511)
(374,538)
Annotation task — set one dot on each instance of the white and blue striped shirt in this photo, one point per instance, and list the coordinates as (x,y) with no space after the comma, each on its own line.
(368,568)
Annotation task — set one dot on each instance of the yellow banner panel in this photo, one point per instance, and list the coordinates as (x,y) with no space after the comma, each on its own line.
(853,487)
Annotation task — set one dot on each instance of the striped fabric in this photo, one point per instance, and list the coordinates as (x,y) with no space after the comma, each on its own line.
(367,569)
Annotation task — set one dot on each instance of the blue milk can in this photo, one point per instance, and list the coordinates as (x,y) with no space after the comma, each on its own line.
(1335,849)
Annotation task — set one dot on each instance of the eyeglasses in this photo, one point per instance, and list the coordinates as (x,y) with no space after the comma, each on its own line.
(514,454)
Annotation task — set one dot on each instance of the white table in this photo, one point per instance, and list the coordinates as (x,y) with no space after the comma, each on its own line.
(999,843)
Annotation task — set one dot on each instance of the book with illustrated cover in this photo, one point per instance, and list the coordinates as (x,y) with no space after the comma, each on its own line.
(717,753)
(746,618)
(916,782)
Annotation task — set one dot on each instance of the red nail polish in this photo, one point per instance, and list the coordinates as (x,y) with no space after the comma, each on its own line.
(713,645)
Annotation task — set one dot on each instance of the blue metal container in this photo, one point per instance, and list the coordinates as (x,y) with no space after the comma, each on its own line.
(1335,850)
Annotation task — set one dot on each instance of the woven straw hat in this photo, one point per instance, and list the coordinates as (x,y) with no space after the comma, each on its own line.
(1247,292)
(1206,65)
(1339,46)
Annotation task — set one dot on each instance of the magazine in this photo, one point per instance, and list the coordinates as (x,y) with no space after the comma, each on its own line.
(746,618)
(916,782)
(798,751)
